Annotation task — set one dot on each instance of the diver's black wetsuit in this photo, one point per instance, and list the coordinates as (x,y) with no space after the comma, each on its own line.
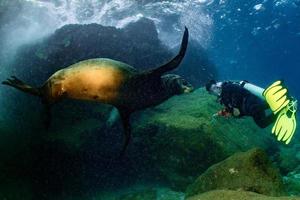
(234,95)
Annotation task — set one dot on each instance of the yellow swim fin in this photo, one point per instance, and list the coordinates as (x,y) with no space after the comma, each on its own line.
(276,96)
(285,125)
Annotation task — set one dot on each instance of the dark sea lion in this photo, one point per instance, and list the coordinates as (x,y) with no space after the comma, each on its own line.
(111,82)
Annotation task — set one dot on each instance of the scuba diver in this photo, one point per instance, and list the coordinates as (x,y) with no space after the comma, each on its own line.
(265,106)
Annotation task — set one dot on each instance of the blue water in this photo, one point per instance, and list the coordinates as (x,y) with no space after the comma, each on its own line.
(258,41)
(259,45)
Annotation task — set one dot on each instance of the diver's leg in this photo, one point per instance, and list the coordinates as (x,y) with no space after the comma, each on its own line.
(271,118)
(261,105)
(268,116)
(263,120)
(257,109)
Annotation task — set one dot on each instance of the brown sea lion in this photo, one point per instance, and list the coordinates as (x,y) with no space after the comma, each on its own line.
(111,82)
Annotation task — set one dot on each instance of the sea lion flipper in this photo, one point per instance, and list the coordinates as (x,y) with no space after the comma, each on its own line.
(176,60)
(125,116)
(20,85)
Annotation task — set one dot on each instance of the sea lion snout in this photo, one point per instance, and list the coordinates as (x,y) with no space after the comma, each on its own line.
(177,84)
(186,86)
(188,89)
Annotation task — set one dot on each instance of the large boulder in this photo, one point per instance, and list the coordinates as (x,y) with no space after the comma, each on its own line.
(156,193)
(248,171)
(137,44)
(172,143)
(237,195)
(8,11)
(149,194)
(292,182)
(288,159)
(74,42)
(181,139)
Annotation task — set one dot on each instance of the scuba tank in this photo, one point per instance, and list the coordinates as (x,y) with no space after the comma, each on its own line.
(253,89)
(257,91)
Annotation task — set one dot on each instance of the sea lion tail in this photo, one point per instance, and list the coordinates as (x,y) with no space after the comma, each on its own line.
(20,85)
(174,63)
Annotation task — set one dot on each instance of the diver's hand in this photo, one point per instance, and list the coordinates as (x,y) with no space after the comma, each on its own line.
(236,112)
(222,113)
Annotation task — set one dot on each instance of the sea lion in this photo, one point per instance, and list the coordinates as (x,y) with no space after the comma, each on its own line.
(111,82)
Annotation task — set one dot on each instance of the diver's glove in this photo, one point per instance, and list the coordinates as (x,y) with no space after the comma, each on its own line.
(276,96)
(285,125)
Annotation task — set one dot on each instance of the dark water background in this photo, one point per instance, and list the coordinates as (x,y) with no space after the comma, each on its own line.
(258,41)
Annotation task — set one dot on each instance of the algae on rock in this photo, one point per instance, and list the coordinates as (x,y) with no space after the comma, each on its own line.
(248,171)
(182,139)
(236,195)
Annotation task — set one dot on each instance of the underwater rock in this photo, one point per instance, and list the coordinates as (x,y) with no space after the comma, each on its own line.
(137,44)
(248,171)
(292,182)
(288,159)
(181,139)
(167,194)
(7,7)
(149,194)
(236,195)
(156,193)
(75,42)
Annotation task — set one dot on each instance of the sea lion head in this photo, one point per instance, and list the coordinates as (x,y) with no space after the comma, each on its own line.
(175,84)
